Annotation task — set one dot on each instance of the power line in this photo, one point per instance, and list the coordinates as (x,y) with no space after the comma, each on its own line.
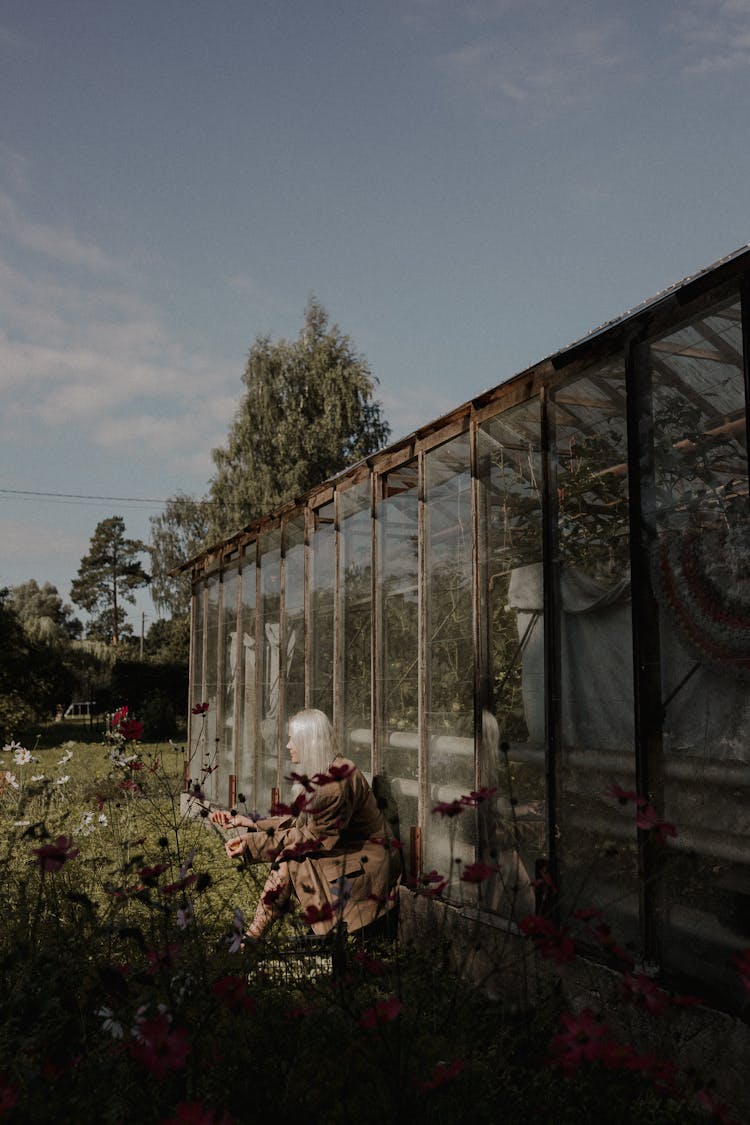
(77,497)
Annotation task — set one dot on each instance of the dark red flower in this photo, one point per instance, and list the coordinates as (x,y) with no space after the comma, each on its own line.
(641,991)
(552,942)
(385,1011)
(199,709)
(431,884)
(301,850)
(335,773)
(582,1041)
(477,872)
(180,885)
(478,797)
(8,1094)
(159,1046)
(51,857)
(158,958)
(586,913)
(448,808)
(131,729)
(149,875)
(648,820)
(232,991)
(372,965)
(315,914)
(195,1113)
(443,1072)
(625,795)
(301,779)
(741,961)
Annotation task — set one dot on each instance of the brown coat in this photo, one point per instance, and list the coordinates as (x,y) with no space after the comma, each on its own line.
(340,853)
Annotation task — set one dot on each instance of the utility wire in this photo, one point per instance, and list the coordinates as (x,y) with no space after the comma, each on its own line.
(77,498)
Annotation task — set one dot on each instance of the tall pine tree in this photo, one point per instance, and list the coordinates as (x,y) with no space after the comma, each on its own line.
(107,577)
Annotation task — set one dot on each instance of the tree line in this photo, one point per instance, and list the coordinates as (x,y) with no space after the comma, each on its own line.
(307,411)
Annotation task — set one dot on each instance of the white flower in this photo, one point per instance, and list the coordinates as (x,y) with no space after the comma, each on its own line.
(185,916)
(110,1024)
(65,758)
(21,823)
(11,747)
(9,779)
(22,756)
(238,931)
(38,777)
(103,819)
(62,780)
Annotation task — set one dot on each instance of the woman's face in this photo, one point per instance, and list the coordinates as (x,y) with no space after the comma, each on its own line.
(293,752)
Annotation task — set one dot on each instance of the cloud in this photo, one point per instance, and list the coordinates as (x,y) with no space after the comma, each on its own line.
(86,364)
(60,245)
(713,35)
(539,56)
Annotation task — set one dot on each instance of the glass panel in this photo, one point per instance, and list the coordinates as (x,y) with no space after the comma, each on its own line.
(228,686)
(294,616)
(269,559)
(211,687)
(355,608)
(597,837)
(699,534)
(323,546)
(246,748)
(512,823)
(449,651)
(398,536)
(197,727)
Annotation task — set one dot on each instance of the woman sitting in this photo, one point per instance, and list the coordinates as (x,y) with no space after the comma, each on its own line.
(333,850)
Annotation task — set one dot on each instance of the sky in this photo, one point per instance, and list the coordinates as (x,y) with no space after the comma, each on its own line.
(467,186)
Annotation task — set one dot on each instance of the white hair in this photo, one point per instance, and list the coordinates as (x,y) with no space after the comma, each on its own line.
(312,735)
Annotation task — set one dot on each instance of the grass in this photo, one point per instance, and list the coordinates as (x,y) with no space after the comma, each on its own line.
(116,966)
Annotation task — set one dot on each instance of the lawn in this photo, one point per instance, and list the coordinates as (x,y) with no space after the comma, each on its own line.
(125,997)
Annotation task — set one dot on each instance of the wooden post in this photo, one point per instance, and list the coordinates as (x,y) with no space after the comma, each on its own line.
(232,790)
(274,797)
(415,851)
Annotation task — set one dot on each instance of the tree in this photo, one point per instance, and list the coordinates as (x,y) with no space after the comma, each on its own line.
(179,532)
(107,576)
(307,413)
(32,678)
(43,614)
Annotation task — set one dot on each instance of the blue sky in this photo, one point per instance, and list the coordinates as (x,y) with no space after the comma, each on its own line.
(466,186)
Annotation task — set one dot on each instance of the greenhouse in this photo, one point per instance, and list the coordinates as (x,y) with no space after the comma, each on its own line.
(542,599)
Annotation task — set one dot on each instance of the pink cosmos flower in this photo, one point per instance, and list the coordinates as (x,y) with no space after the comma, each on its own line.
(51,857)
(199,709)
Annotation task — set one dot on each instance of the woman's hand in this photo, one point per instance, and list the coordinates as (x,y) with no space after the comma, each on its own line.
(226,819)
(235,847)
